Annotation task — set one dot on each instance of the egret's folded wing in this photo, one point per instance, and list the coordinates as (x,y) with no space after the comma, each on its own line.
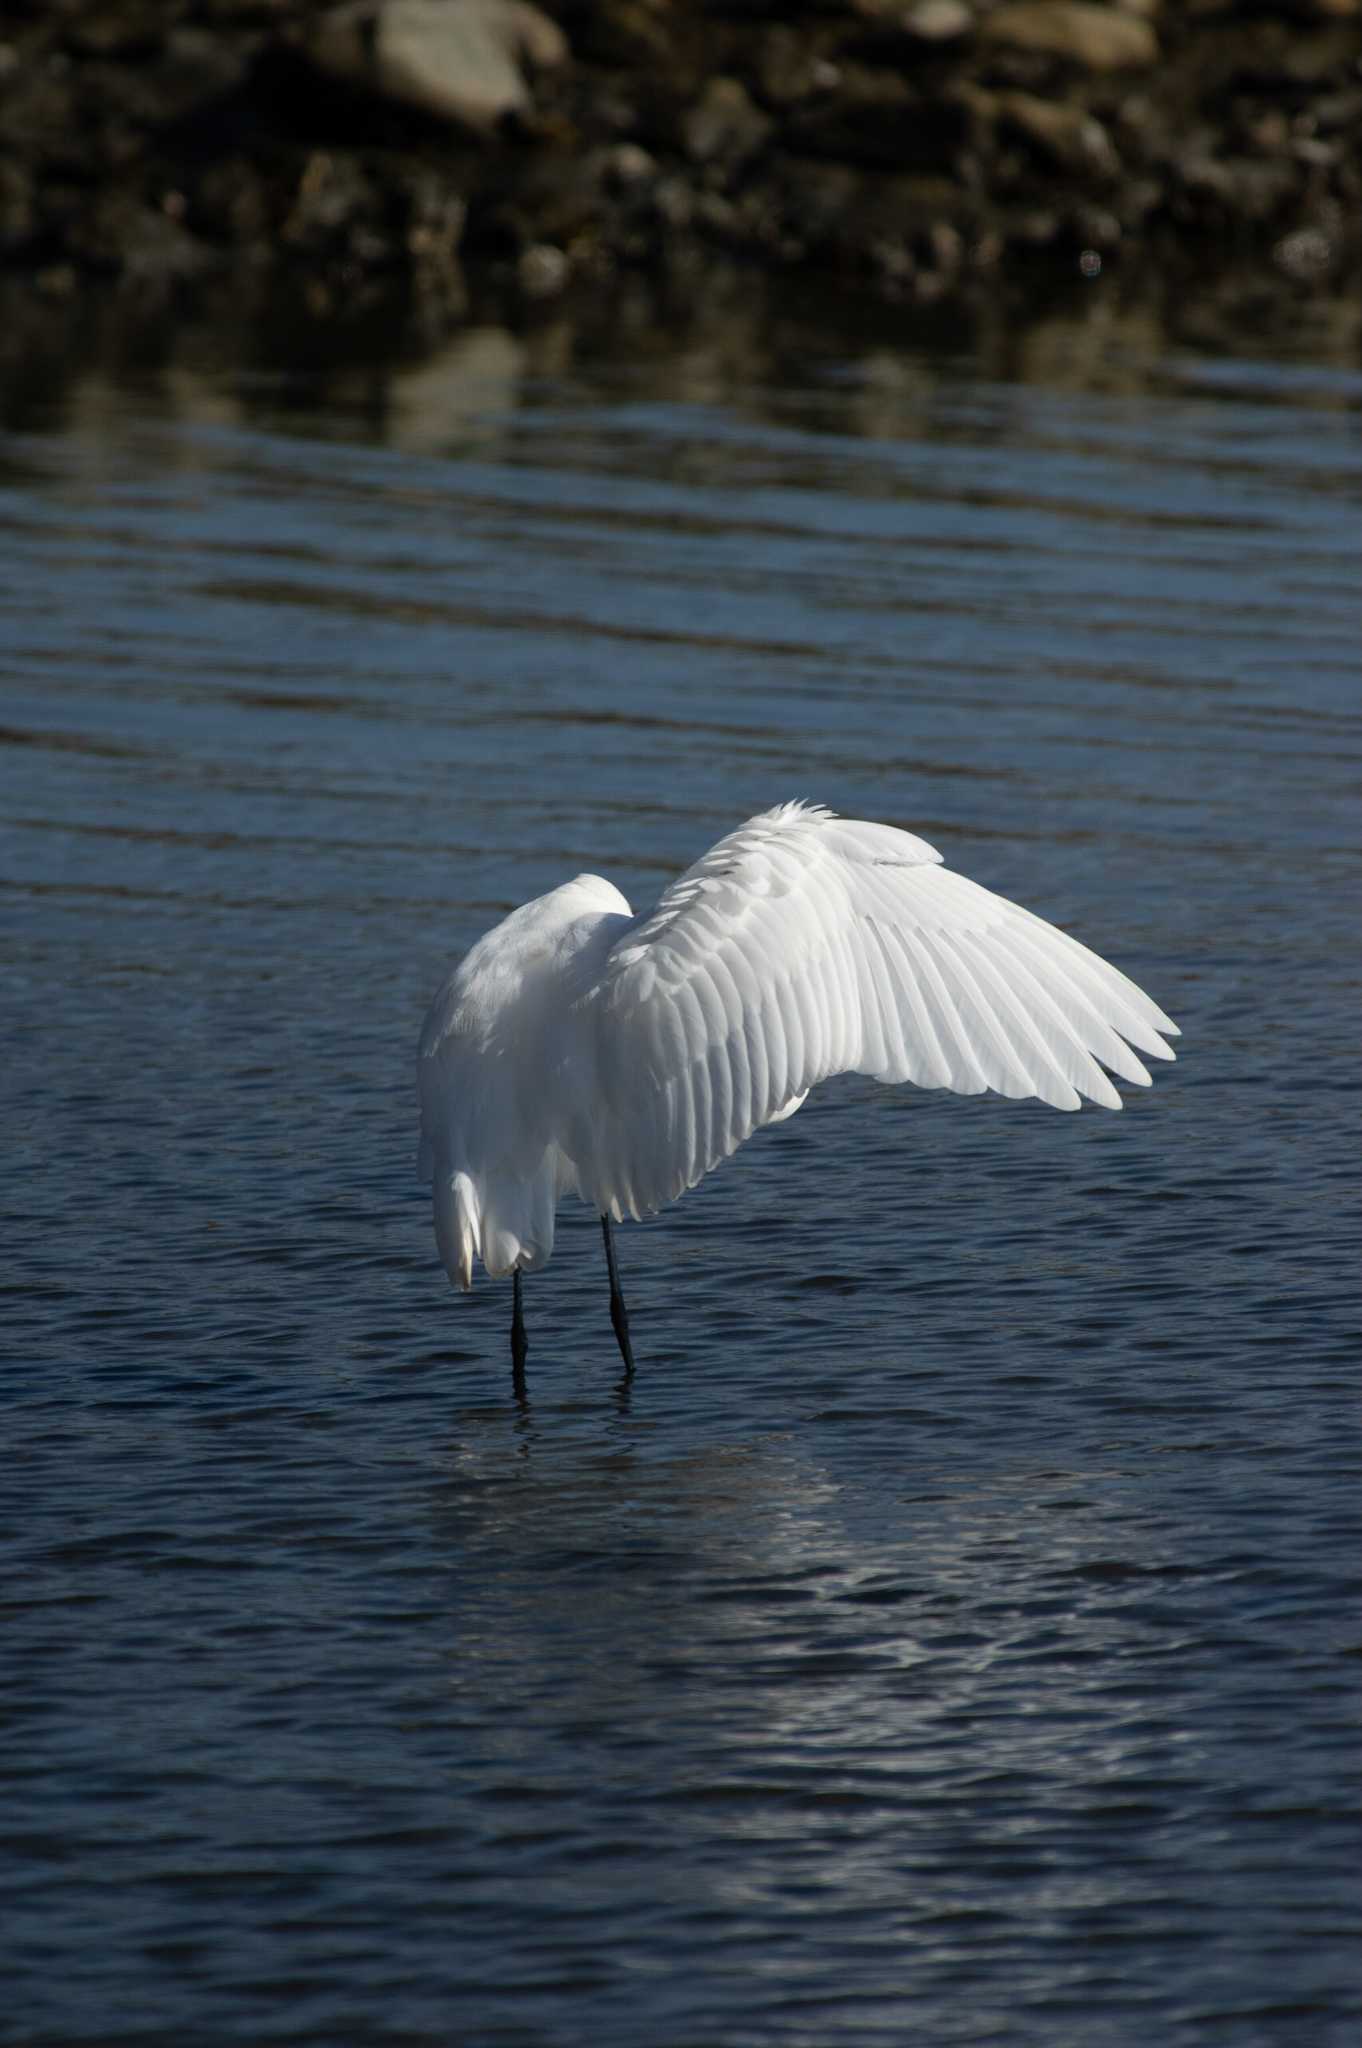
(805,945)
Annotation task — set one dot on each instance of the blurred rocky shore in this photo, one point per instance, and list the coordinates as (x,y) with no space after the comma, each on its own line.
(908,149)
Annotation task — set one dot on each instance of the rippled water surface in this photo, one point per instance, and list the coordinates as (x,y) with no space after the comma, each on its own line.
(949,1637)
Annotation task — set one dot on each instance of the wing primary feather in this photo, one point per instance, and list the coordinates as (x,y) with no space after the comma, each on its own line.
(1064,1032)
(1054,1034)
(1070,1068)
(1104,1008)
(971,907)
(988,1033)
(1120,1002)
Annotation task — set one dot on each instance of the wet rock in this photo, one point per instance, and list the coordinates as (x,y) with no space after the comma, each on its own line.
(813,202)
(158,253)
(17,217)
(1307,255)
(147,245)
(723,125)
(465,60)
(876,117)
(627,33)
(673,203)
(435,220)
(791,67)
(231,205)
(915,35)
(627,167)
(543,271)
(937,21)
(130,30)
(1089,37)
(337,217)
(943,246)
(1066,135)
(1236,189)
(193,69)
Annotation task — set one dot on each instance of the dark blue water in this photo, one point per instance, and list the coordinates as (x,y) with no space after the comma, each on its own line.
(951,1636)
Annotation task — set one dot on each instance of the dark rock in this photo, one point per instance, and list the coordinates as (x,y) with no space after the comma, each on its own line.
(674,203)
(337,213)
(1089,37)
(147,246)
(723,125)
(813,202)
(627,33)
(157,252)
(134,29)
(876,117)
(18,218)
(791,67)
(231,203)
(1238,188)
(1066,135)
(627,167)
(197,66)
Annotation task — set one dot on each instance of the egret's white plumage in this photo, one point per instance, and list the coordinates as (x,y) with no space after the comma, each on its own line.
(577,1046)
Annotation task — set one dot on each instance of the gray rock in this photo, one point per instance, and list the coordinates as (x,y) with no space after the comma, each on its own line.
(627,167)
(462,59)
(1094,38)
(1306,255)
(937,21)
(543,271)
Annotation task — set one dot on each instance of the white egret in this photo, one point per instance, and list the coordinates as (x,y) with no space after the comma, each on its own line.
(579,1047)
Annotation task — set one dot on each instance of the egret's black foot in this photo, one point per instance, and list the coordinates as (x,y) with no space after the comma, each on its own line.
(619,1314)
(519,1345)
(619,1318)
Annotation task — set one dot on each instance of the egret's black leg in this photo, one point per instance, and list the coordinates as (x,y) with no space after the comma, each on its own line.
(619,1314)
(518,1345)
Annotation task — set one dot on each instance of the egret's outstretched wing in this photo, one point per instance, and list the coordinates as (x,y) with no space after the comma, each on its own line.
(805,945)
